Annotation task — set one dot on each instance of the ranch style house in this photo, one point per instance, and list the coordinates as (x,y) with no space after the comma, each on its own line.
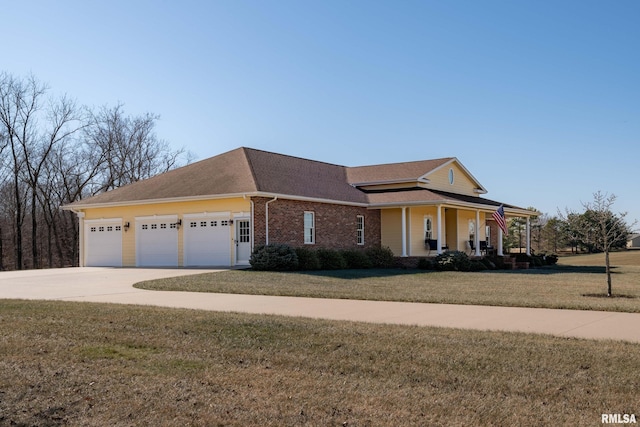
(215,211)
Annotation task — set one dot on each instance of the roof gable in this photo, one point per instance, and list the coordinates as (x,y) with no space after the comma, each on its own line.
(391,173)
(463,181)
(433,174)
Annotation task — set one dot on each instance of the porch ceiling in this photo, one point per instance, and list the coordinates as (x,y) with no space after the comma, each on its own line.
(422,196)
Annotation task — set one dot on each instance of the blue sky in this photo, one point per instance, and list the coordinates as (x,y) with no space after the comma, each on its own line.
(540,100)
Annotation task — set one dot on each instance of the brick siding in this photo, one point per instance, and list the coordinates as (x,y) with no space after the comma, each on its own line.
(335,225)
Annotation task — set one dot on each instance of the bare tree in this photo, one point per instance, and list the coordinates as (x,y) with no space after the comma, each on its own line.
(19,103)
(610,229)
(53,152)
(128,148)
(599,228)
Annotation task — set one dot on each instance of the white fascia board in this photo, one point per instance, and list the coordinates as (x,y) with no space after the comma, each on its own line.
(154,201)
(211,197)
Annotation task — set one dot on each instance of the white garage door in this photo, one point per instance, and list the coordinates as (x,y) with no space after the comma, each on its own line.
(207,240)
(103,243)
(157,241)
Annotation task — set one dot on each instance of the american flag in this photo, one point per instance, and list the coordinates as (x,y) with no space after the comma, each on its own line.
(500,219)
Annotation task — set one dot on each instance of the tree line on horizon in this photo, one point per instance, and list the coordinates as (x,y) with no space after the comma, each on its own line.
(53,152)
(595,230)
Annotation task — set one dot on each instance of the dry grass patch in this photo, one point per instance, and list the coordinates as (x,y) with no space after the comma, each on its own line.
(94,365)
(563,286)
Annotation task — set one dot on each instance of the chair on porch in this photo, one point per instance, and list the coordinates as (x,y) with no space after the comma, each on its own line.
(432,244)
(471,246)
(484,247)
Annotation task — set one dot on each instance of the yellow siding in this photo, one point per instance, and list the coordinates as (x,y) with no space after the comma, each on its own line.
(455,228)
(129,214)
(464,217)
(462,184)
(391,230)
(417,229)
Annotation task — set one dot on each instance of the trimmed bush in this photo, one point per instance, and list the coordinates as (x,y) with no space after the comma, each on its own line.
(425,264)
(551,259)
(477,265)
(274,258)
(381,257)
(453,261)
(331,260)
(488,263)
(308,259)
(356,259)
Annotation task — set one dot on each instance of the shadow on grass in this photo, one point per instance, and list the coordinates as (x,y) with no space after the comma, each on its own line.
(612,296)
(359,273)
(559,269)
(355,274)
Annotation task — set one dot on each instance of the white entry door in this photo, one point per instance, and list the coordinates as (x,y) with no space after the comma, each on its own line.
(207,240)
(103,243)
(157,241)
(243,241)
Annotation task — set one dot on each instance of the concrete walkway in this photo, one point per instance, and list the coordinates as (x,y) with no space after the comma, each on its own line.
(108,285)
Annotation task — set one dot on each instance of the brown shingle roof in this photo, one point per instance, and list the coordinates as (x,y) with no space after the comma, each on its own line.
(228,173)
(243,170)
(250,171)
(280,174)
(409,171)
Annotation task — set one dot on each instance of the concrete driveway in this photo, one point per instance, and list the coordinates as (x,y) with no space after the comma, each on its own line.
(114,285)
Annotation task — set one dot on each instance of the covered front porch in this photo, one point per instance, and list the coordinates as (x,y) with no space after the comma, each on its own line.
(428,230)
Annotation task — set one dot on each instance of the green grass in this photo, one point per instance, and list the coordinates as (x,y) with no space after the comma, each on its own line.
(65,363)
(576,283)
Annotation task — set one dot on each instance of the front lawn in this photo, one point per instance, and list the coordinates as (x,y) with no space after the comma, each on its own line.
(65,363)
(573,284)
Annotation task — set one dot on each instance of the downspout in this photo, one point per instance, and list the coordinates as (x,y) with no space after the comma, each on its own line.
(266,216)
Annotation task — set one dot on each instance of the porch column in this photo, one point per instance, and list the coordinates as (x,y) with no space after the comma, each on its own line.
(477,233)
(500,242)
(528,236)
(404,231)
(439,208)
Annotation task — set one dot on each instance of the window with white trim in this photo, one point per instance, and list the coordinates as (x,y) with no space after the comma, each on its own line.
(472,230)
(428,228)
(309,228)
(360,229)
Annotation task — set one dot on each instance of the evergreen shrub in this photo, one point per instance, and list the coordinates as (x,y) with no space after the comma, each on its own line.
(274,257)
(453,261)
(381,257)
